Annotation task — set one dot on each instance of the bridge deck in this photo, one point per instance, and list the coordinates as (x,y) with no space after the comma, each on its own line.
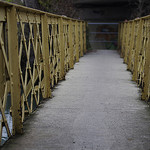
(97,107)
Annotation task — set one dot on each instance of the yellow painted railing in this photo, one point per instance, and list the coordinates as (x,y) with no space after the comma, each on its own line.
(36,51)
(134,42)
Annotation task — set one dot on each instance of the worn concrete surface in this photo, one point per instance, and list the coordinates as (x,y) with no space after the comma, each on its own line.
(98,107)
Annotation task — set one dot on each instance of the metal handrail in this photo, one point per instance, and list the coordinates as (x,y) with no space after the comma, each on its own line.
(36,51)
(134,43)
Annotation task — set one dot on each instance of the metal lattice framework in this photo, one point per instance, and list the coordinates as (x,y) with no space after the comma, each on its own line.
(37,49)
(54,49)
(134,42)
(4,79)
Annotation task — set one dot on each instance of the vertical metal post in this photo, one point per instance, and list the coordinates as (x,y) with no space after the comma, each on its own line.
(71,62)
(62,50)
(14,70)
(2,73)
(146,71)
(85,25)
(127,42)
(77,41)
(45,48)
(138,46)
(81,38)
(131,45)
(123,40)
(121,44)
(119,33)
(36,41)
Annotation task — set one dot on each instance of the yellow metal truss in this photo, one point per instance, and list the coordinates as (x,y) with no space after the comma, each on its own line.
(134,42)
(37,49)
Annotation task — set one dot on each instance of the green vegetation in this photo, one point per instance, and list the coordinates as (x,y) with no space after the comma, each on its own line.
(61,7)
(9,0)
(48,5)
(15,1)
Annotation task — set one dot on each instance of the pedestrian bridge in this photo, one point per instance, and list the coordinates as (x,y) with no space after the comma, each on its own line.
(97,106)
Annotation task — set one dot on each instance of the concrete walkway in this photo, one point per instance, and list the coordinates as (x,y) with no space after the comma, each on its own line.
(98,107)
